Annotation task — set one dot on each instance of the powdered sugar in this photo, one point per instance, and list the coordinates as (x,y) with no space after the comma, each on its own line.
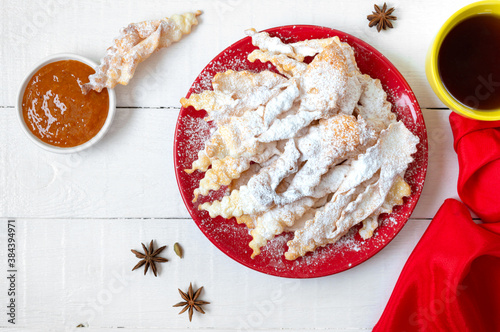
(321,89)
(135,44)
(198,131)
(317,258)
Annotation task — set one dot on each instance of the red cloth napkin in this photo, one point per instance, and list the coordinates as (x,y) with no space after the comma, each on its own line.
(451,282)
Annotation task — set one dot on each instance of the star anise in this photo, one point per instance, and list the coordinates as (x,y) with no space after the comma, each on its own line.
(148,258)
(381,17)
(191,301)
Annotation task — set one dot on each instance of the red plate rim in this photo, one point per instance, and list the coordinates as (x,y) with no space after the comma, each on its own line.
(418,168)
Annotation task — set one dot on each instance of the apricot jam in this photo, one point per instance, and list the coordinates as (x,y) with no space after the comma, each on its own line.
(57,111)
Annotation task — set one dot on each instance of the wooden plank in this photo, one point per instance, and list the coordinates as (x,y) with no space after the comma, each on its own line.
(189,329)
(33,31)
(130,174)
(74,272)
(442,171)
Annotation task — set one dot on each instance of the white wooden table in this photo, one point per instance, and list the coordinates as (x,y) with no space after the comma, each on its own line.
(78,216)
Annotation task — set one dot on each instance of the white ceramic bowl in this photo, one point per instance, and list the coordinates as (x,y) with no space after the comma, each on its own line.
(36,140)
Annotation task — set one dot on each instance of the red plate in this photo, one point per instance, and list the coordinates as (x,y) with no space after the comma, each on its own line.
(231,238)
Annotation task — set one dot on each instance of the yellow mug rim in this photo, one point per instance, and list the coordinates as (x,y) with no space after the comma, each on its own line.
(432,66)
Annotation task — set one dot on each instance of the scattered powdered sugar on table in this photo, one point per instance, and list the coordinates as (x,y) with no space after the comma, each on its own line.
(198,131)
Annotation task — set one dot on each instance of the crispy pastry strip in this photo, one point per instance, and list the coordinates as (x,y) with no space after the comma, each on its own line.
(272,222)
(354,202)
(233,138)
(235,93)
(373,105)
(301,49)
(253,197)
(335,140)
(323,85)
(285,65)
(225,170)
(395,196)
(135,44)
(236,130)
(236,140)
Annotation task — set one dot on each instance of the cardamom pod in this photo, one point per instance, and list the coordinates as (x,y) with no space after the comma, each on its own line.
(178,249)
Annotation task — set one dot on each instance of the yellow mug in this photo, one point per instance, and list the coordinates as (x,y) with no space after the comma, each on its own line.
(431,66)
